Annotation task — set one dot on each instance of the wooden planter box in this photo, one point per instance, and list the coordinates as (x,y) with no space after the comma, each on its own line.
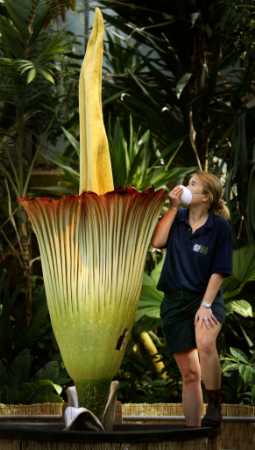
(237,430)
(40,427)
(144,427)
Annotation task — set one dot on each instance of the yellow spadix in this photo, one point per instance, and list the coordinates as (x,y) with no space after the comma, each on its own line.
(95,163)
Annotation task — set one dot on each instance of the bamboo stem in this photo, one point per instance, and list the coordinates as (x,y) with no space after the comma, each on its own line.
(153,351)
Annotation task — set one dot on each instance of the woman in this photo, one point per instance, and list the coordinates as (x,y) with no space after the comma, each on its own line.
(199,254)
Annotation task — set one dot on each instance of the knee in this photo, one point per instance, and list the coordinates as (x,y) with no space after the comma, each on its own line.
(191,376)
(206,347)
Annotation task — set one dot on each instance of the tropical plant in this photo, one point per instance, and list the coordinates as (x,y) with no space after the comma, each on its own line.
(32,57)
(243,272)
(139,381)
(31,369)
(93,249)
(137,161)
(239,372)
(192,80)
(234,285)
(17,385)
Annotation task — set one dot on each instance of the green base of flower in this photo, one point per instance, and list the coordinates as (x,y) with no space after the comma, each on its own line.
(93,395)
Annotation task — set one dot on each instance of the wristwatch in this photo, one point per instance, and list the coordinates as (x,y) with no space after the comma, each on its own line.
(206,304)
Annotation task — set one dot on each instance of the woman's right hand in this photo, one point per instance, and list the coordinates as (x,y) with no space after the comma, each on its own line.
(175,196)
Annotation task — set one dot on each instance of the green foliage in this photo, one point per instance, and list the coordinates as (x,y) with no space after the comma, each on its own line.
(240,307)
(30,365)
(237,362)
(137,160)
(151,298)
(235,286)
(35,59)
(135,157)
(16,385)
(184,58)
(138,381)
(185,70)
(243,272)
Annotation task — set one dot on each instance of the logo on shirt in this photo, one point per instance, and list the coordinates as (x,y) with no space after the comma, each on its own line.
(198,248)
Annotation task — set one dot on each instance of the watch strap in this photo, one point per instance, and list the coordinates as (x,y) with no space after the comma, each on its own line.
(206,304)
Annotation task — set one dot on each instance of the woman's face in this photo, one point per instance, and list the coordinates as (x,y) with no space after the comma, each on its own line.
(196,187)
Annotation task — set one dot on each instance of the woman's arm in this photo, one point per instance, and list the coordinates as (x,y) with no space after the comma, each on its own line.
(213,286)
(161,232)
(162,229)
(204,314)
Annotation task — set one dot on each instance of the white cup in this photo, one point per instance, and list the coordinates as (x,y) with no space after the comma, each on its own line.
(186,196)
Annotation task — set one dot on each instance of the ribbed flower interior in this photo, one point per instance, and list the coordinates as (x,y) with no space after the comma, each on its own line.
(93,251)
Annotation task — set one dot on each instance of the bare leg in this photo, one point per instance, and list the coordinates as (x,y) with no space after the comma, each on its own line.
(189,367)
(211,372)
(208,355)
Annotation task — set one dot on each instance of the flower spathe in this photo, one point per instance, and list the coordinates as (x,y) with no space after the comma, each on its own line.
(93,249)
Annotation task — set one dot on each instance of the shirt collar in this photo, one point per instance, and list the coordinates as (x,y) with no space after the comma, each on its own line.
(183,217)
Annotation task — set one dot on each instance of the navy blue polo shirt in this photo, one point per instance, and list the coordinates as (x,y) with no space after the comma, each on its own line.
(191,258)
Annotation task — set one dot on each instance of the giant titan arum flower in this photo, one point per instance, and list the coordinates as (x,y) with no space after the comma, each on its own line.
(93,248)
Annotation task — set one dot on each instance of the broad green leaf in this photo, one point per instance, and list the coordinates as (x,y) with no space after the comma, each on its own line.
(31,76)
(247,373)
(229,367)
(150,299)
(47,76)
(244,264)
(239,355)
(12,42)
(118,149)
(243,271)
(241,307)
(19,13)
(155,274)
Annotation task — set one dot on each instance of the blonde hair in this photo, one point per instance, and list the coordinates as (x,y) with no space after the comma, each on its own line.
(212,186)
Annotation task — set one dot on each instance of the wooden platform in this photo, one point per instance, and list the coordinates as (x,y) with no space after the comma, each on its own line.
(143,427)
(48,433)
(237,430)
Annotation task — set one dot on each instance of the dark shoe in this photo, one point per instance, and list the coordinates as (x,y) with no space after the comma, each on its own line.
(213,417)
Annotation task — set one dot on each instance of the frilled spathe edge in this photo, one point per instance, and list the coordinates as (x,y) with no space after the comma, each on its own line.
(131,192)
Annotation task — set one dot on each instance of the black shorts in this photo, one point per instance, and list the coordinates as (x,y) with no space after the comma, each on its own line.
(177,311)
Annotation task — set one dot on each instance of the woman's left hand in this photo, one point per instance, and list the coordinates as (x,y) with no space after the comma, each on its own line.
(205,318)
